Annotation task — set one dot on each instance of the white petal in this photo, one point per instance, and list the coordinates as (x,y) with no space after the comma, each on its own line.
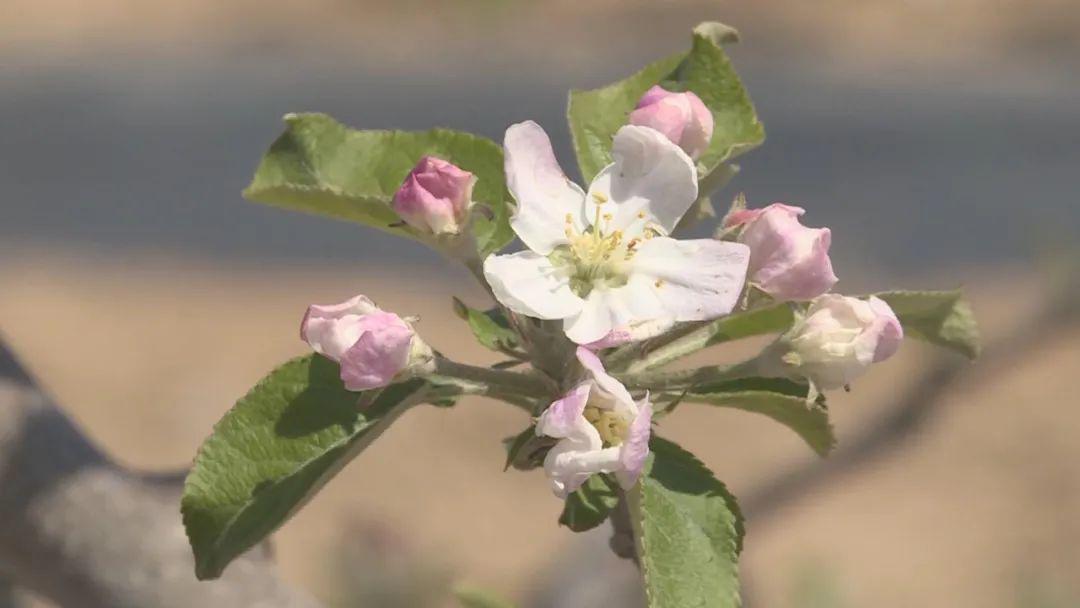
(652,181)
(528,283)
(694,280)
(593,321)
(608,384)
(544,195)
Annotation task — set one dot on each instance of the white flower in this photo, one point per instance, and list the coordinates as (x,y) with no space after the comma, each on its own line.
(602,261)
(837,340)
(600,428)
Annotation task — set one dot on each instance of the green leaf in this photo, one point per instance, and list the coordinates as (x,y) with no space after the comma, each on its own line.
(688,531)
(782,400)
(596,115)
(273,451)
(590,505)
(320,166)
(943,318)
(491,328)
(471,597)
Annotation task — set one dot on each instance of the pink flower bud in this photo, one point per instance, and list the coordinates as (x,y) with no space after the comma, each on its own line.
(681,117)
(839,338)
(435,197)
(373,347)
(788,261)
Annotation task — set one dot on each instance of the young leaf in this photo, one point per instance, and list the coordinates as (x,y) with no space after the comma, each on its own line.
(320,166)
(590,505)
(491,328)
(596,115)
(688,531)
(273,450)
(943,318)
(782,400)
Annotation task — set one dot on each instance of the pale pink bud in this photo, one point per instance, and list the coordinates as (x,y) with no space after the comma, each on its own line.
(681,117)
(839,338)
(435,197)
(788,261)
(373,347)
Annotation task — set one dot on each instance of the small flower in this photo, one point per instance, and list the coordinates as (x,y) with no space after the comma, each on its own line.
(600,428)
(788,261)
(374,347)
(435,197)
(838,339)
(602,261)
(682,117)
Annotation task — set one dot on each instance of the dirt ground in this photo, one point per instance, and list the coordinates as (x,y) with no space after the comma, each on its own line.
(978,510)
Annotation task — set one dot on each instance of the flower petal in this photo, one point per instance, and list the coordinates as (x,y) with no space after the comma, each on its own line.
(593,321)
(652,182)
(545,197)
(571,462)
(379,355)
(530,284)
(564,418)
(694,280)
(635,449)
(888,329)
(605,381)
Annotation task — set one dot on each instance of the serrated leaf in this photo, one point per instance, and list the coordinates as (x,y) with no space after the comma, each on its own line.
(943,318)
(590,505)
(471,597)
(320,166)
(491,328)
(688,531)
(597,114)
(782,400)
(273,450)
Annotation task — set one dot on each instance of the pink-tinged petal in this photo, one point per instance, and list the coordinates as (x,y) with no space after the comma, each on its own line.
(332,329)
(788,261)
(381,353)
(682,117)
(564,418)
(695,280)
(635,448)
(651,183)
(435,197)
(529,284)
(605,381)
(546,199)
(634,331)
(887,326)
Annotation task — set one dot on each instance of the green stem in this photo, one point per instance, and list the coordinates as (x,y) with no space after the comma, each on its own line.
(684,379)
(493,381)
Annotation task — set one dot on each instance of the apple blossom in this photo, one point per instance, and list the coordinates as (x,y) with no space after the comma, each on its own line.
(435,197)
(374,347)
(681,117)
(788,261)
(602,261)
(838,339)
(600,428)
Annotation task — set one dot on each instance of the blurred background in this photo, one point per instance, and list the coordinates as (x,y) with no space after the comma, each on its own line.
(939,141)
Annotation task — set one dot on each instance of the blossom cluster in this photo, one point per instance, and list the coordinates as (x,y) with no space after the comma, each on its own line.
(601,264)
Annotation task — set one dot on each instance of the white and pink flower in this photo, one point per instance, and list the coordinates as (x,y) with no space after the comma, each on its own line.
(838,339)
(374,348)
(682,117)
(601,261)
(788,261)
(435,197)
(600,429)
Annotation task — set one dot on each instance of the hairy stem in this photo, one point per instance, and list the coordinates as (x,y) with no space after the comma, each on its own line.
(493,381)
(683,379)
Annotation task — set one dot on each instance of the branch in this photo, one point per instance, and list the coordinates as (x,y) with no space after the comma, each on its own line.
(80,530)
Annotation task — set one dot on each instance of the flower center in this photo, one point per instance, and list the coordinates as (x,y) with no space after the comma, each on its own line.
(611,426)
(596,257)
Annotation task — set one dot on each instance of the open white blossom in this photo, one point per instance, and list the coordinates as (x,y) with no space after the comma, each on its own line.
(601,261)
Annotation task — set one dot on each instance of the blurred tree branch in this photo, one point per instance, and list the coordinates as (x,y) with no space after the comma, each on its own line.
(83,531)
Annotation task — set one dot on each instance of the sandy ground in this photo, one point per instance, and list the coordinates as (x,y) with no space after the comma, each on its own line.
(147,353)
